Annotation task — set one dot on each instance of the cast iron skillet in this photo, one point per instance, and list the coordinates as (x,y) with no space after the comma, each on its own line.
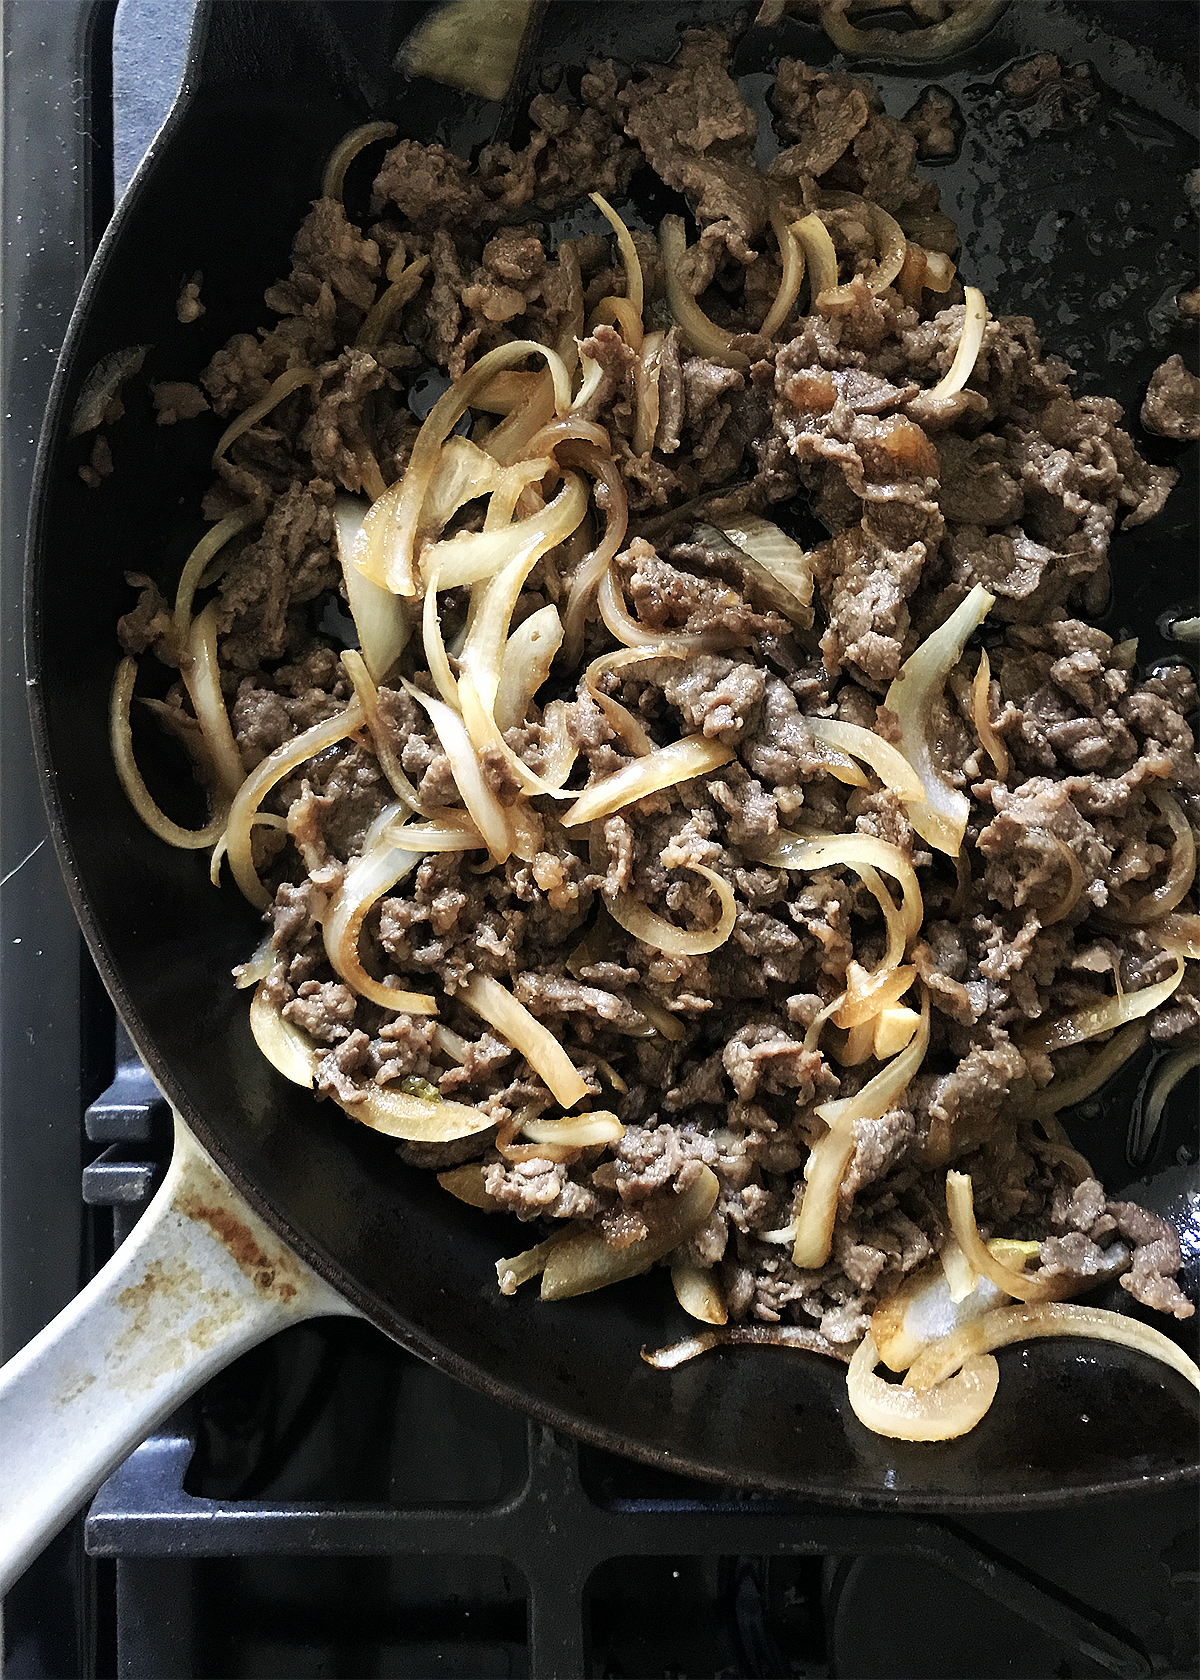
(1039,196)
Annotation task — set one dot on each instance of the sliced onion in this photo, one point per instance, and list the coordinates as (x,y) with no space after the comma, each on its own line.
(439,423)
(474,555)
(436,659)
(791,257)
(447,831)
(975,320)
(379,616)
(576,1131)
(1026,1322)
(368,698)
(583,1261)
(942,820)
(620,719)
(779,567)
(1075,889)
(705,337)
(640,922)
(511,1274)
(831,1155)
(571,330)
(896,925)
(525,665)
(795,851)
(415,1119)
(820,257)
(593,566)
(697,1292)
(466,1184)
(647,377)
(1022,1286)
(1148,907)
(867,996)
(120,737)
(1065,1093)
(887,234)
(911,46)
(888,763)
(1101,1017)
(258,966)
(981,717)
(206,550)
(487,813)
(629,257)
(665,767)
(346,150)
(202,676)
(389,303)
(366,880)
(630,633)
(288,381)
(545,1055)
(940,1413)
(259,783)
(1179,935)
(289,1050)
(894,1029)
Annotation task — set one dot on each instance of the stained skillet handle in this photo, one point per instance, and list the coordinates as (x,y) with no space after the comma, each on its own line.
(200,1279)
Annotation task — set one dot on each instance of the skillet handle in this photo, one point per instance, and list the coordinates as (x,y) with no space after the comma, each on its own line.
(200,1279)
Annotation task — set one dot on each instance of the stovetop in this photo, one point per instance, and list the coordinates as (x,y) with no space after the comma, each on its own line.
(330,1505)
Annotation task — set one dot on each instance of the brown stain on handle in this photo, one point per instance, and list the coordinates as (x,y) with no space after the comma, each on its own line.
(269,1275)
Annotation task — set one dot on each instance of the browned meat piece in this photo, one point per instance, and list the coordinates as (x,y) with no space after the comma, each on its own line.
(1172,405)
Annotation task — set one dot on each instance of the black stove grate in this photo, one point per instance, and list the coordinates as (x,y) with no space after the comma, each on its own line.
(330,1505)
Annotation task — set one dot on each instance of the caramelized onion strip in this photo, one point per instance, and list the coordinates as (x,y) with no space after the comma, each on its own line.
(665,767)
(705,337)
(795,851)
(545,1055)
(290,380)
(1181,872)
(970,342)
(1101,1017)
(120,735)
(381,739)
(982,719)
(940,1413)
(640,922)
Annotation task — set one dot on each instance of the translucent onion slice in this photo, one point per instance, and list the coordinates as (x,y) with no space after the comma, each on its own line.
(475,555)
(940,1413)
(791,257)
(888,763)
(1065,1093)
(521,1268)
(911,46)
(630,633)
(1075,889)
(439,423)
(975,320)
(621,720)
(466,1184)
(346,150)
(831,1155)
(982,718)
(665,767)
(464,472)
(593,566)
(366,880)
(618,312)
(868,994)
(258,966)
(379,616)
(487,813)
(562,752)
(576,1131)
(502,393)
(896,926)
(820,257)
(201,673)
(942,820)
(1022,1286)
(202,556)
(780,568)
(381,740)
(545,1055)
(120,736)
(640,922)
(290,380)
(794,851)
(1026,1322)
(436,659)
(705,337)
(647,378)
(267,775)
(894,1029)
(1101,1017)
(630,260)
(403,288)
(1179,934)
(697,1292)
(415,1119)
(583,1261)
(525,664)
(939,271)
(1181,871)
(511,440)
(887,234)
(289,1050)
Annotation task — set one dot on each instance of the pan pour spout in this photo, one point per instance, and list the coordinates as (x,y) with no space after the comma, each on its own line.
(201,1279)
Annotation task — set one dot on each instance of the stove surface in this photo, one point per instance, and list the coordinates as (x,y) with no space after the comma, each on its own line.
(330,1505)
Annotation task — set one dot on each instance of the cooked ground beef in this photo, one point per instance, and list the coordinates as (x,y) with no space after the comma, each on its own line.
(719,1060)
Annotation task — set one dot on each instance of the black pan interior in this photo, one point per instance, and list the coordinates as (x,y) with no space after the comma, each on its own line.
(1081,223)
